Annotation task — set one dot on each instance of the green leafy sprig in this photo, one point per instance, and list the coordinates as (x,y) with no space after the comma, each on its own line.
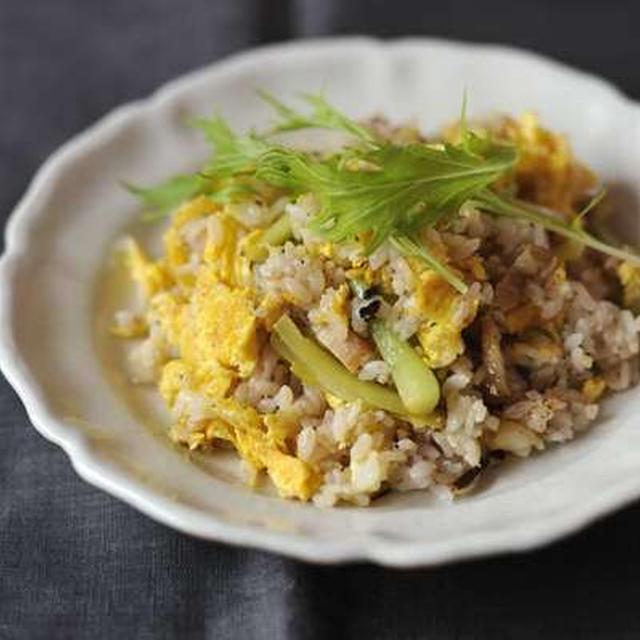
(161,199)
(322,116)
(372,189)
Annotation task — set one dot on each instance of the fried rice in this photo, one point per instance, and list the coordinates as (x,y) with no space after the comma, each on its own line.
(523,358)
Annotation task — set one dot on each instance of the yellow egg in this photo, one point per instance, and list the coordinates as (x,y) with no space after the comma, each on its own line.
(293,477)
(629,276)
(547,171)
(440,335)
(176,249)
(151,276)
(164,309)
(219,324)
(221,252)
(593,388)
(282,426)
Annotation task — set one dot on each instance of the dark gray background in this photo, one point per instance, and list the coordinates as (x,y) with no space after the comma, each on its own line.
(75,563)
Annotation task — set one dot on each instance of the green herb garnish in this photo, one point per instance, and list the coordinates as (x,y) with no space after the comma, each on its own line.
(511,208)
(166,196)
(323,116)
(372,189)
(387,189)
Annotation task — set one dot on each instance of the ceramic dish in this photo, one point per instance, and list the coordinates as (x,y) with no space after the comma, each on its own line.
(57,290)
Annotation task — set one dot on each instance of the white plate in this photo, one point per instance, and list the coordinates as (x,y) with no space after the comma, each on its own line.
(59,234)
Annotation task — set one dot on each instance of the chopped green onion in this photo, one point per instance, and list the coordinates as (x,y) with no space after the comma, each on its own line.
(417,385)
(312,364)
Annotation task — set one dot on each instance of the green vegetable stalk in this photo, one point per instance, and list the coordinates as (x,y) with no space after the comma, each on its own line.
(417,385)
(314,365)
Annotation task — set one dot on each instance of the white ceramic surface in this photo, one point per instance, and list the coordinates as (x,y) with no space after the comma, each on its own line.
(59,235)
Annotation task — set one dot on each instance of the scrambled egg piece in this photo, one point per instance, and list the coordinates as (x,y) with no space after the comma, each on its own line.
(293,477)
(218,324)
(263,449)
(441,335)
(546,172)
(209,378)
(177,250)
(217,241)
(243,427)
(226,247)
(210,323)
(224,251)
(151,276)
(629,275)
(281,426)
(164,309)
(212,356)
(593,388)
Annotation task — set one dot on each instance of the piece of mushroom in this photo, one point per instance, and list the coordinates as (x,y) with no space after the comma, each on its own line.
(493,359)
